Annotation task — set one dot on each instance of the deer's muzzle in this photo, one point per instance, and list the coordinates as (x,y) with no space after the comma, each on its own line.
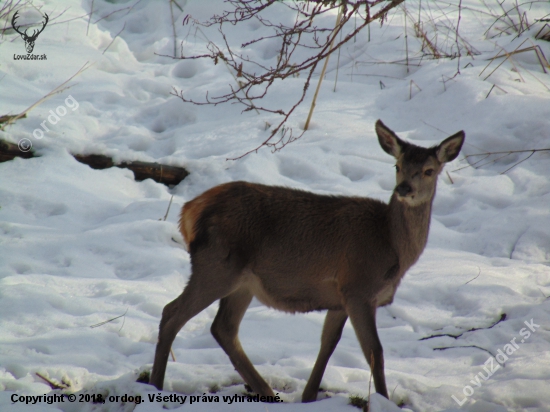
(403,189)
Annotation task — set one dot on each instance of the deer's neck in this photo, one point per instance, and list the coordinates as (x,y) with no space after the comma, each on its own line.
(409,227)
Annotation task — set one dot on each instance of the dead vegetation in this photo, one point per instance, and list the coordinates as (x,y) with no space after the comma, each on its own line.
(431,31)
(254,79)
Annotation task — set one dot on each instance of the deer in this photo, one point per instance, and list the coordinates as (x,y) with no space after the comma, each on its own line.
(29,40)
(297,251)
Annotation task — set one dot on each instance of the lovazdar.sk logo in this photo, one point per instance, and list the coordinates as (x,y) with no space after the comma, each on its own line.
(29,38)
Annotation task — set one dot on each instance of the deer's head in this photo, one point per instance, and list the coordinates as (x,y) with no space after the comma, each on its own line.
(417,167)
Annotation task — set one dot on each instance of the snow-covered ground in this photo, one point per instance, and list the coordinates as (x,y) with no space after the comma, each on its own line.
(81,246)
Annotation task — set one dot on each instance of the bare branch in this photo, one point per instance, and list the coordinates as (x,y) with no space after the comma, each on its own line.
(504,154)
(450,335)
(254,79)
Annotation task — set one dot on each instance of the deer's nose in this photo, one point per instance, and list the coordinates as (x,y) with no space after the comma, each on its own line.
(403,189)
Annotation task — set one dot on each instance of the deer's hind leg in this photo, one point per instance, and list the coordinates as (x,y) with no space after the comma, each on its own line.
(213,278)
(225,329)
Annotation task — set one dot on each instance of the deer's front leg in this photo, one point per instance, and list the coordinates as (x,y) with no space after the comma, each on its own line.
(363,318)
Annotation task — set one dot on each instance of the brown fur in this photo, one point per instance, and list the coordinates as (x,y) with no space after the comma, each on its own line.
(298,251)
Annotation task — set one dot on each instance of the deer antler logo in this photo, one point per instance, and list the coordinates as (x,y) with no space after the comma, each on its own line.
(29,40)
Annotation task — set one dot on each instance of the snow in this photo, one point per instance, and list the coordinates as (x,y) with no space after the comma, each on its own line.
(82,246)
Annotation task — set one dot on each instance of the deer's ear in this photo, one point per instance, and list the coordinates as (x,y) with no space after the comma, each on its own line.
(449,148)
(388,140)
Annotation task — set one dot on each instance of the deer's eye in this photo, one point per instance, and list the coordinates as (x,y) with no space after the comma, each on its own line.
(429,172)
(397,168)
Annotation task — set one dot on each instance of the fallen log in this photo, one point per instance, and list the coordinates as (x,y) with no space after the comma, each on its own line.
(168,175)
(9,151)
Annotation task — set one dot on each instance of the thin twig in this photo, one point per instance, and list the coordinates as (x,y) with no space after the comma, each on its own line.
(168,210)
(466,346)
(129,9)
(406,40)
(450,335)
(173,27)
(109,320)
(114,38)
(337,64)
(521,161)
(545,36)
(230,72)
(90,17)
(457,36)
(52,384)
(410,88)
(509,151)
(58,89)
(506,53)
(338,18)
(478,166)
(494,85)
(370,378)
(478,273)
(505,153)
(436,128)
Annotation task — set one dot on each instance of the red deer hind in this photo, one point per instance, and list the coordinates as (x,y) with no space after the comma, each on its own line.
(298,252)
